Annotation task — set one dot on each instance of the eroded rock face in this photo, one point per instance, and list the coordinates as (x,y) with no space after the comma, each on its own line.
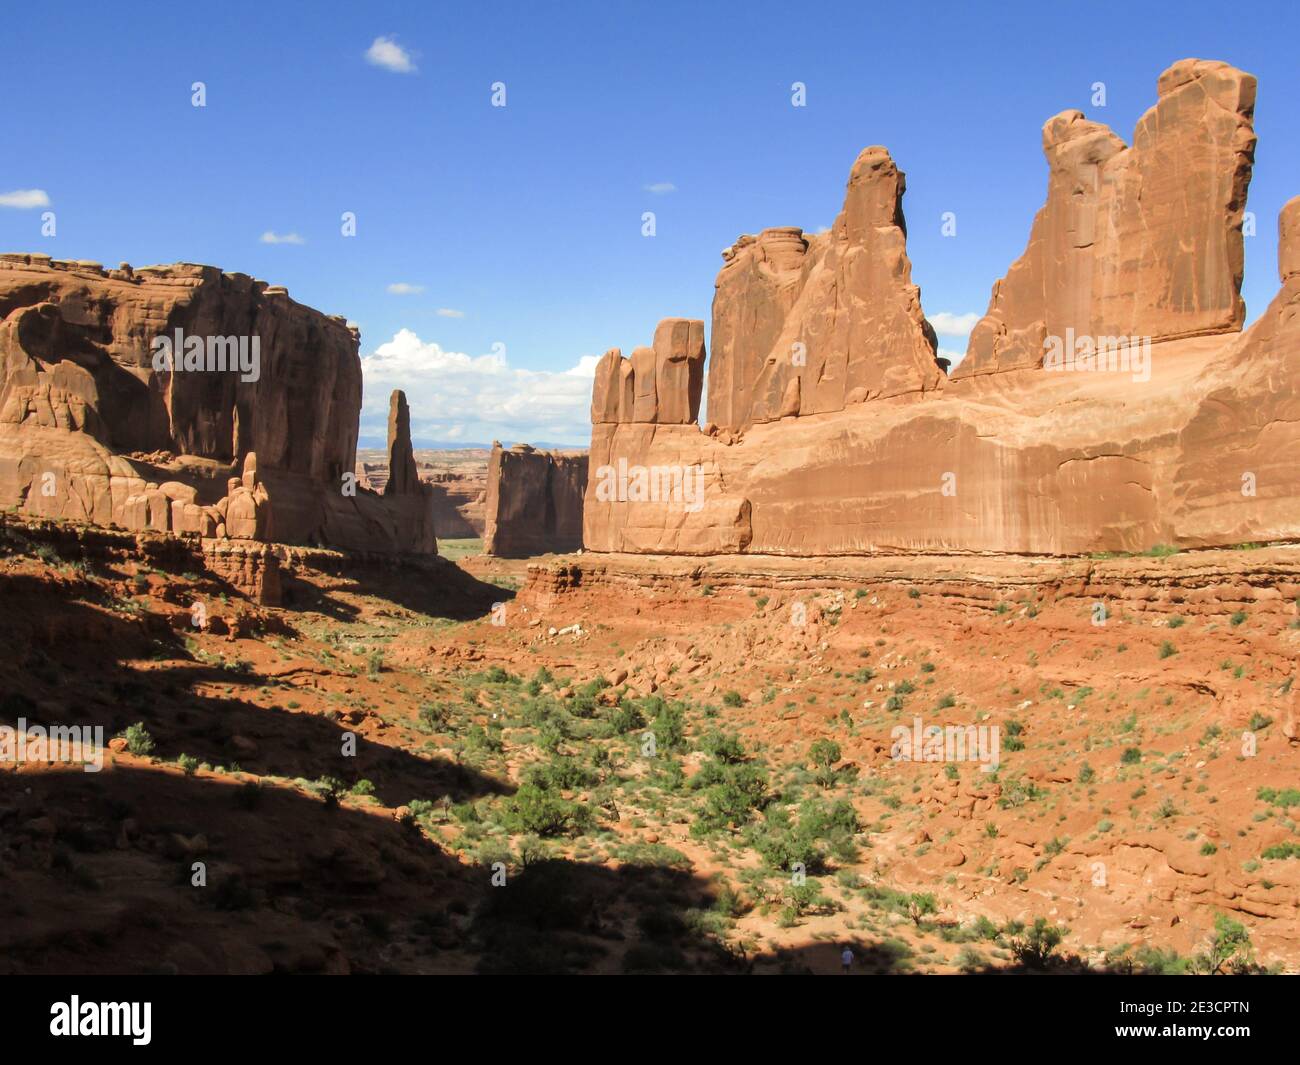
(534,501)
(837,313)
(1141,241)
(1193,447)
(403,477)
(1237,468)
(99,422)
(658,385)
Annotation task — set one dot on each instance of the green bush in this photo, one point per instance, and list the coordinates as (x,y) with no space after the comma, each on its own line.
(824,753)
(540,812)
(560,774)
(138,740)
(434,716)
(1230,946)
(921,905)
(669,727)
(1035,947)
(723,747)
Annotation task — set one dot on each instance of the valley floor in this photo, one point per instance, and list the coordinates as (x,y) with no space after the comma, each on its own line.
(618,764)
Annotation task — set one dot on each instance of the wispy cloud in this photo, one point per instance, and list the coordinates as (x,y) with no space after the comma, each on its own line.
(953,325)
(661,188)
(272,237)
(24,198)
(475,397)
(401,288)
(448,312)
(387,53)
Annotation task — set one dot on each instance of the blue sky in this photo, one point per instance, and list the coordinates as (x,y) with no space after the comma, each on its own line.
(520,227)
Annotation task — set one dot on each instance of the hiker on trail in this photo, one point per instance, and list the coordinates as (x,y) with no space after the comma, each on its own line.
(846,959)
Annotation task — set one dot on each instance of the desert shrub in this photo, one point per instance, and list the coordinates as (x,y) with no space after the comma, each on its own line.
(1035,947)
(625,717)
(434,716)
(732,794)
(541,812)
(732,698)
(138,740)
(669,727)
(1018,792)
(478,740)
(560,774)
(330,789)
(1285,798)
(782,840)
(1228,946)
(921,905)
(724,748)
(824,753)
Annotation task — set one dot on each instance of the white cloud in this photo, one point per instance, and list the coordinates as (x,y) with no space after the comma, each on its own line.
(272,237)
(447,312)
(953,325)
(455,396)
(387,53)
(401,288)
(953,357)
(661,188)
(24,198)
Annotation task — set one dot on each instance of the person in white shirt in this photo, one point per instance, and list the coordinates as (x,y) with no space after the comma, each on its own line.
(846,959)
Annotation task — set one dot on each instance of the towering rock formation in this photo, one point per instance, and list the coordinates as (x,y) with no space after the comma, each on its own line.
(659,385)
(403,477)
(1132,242)
(534,501)
(180,398)
(1189,439)
(646,405)
(811,325)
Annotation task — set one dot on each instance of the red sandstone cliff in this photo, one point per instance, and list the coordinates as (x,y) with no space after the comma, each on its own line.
(534,501)
(1142,241)
(96,425)
(807,325)
(1193,446)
